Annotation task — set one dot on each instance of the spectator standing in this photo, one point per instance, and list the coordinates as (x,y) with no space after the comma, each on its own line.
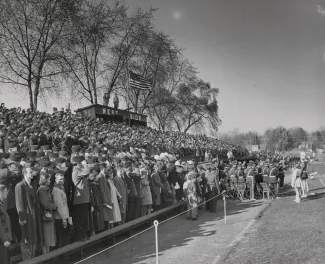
(115,197)
(62,222)
(81,199)
(5,235)
(96,214)
(106,198)
(296,182)
(121,186)
(145,193)
(132,192)
(157,187)
(26,204)
(190,190)
(47,211)
(7,197)
(304,180)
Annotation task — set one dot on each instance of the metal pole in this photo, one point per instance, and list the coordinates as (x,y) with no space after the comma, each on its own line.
(156,235)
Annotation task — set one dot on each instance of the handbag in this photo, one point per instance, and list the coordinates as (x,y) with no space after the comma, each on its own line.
(47,216)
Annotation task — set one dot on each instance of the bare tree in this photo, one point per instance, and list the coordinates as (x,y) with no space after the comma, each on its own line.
(163,103)
(30,31)
(134,31)
(83,54)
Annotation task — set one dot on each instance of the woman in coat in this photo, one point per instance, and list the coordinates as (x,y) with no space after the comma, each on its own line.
(47,211)
(157,187)
(62,223)
(145,193)
(122,188)
(115,197)
(190,189)
(5,235)
(105,192)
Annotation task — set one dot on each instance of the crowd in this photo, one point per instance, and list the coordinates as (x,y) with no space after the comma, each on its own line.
(64,178)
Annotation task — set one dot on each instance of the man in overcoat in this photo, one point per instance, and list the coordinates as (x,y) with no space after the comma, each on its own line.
(26,204)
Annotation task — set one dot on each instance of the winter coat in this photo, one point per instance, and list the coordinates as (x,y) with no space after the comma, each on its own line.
(97,216)
(106,198)
(121,186)
(26,204)
(60,200)
(81,190)
(5,227)
(7,196)
(46,205)
(131,186)
(157,186)
(145,192)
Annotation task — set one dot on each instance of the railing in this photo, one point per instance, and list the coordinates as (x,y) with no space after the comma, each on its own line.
(79,246)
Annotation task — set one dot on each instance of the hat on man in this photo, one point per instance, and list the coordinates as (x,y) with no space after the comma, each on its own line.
(34,147)
(77,159)
(44,162)
(178,164)
(101,159)
(55,149)
(53,155)
(59,160)
(45,147)
(24,150)
(40,154)
(200,166)
(75,149)
(63,153)
(16,157)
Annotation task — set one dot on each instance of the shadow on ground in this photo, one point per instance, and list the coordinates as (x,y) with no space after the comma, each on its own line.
(175,233)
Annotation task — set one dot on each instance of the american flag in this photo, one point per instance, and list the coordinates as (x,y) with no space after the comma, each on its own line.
(138,82)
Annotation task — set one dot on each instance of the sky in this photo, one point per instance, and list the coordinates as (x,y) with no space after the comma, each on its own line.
(266,57)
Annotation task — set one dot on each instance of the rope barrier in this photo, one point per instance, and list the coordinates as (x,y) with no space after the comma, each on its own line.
(141,232)
(119,243)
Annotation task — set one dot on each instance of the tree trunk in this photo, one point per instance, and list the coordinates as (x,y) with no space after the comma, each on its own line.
(36,92)
(30,91)
(95,91)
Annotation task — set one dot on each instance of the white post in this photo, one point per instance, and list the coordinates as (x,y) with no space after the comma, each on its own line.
(156,234)
(224,208)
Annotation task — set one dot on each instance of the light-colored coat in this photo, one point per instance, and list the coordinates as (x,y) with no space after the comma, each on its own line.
(81,192)
(60,201)
(145,192)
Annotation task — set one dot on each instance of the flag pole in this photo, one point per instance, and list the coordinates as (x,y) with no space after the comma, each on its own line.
(128,103)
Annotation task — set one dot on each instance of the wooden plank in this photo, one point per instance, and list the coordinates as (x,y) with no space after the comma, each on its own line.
(77,245)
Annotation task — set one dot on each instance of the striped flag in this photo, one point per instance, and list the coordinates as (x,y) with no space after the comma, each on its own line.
(138,82)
